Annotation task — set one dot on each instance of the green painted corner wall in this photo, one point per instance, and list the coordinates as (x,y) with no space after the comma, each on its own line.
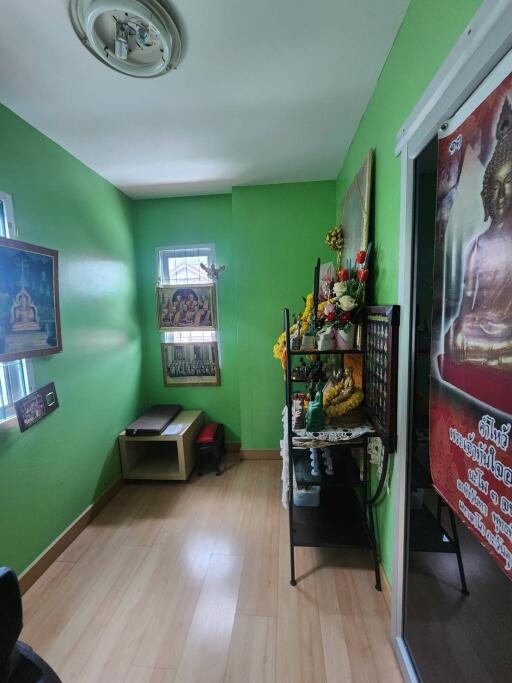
(279,233)
(255,232)
(52,472)
(427,34)
(185,221)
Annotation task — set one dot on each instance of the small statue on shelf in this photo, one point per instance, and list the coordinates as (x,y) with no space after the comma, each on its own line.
(315,417)
(296,338)
(326,454)
(343,397)
(315,376)
(316,373)
(309,338)
(300,373)
(313,456)
(348,386)
(298,413)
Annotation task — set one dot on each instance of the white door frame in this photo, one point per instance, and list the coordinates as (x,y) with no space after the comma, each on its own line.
(484,42)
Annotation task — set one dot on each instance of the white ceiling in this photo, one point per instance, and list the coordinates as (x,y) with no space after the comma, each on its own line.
(267,91)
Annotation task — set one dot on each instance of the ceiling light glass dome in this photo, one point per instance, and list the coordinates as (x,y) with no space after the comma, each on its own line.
(136,37)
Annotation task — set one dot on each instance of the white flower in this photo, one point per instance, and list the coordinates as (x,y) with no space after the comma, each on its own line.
(340,288)
(347,303)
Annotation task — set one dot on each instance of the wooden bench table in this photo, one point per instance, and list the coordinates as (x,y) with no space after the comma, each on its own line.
(169,455)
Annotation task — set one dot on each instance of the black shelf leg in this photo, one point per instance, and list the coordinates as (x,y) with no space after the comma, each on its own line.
(368,513)
(455,535)
(293,581)
(375,552)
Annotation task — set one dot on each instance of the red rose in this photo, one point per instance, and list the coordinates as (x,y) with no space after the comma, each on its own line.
(343,275)
(330,316)
(345,318)
(360,257)
(362,274)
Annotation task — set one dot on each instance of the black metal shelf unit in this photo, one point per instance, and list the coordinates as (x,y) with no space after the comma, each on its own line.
(345,515)
(340,519)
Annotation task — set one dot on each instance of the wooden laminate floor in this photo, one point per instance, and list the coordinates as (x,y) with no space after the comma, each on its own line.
(189,583)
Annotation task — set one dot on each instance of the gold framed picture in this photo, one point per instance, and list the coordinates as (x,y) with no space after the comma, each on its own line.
(191,364)
(186,307)
(355,211)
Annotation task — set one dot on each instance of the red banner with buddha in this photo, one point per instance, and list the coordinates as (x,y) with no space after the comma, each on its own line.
(471,385)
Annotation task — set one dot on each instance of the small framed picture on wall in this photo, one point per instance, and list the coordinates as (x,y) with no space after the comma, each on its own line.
(37,405)
(192,364)
(189,307)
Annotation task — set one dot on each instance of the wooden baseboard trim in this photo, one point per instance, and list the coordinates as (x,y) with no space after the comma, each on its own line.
(48,556)
(386,589)
(260,454)
(232,446)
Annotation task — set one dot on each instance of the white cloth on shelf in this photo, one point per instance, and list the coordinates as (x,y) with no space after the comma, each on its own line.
(285,456)
(331,435)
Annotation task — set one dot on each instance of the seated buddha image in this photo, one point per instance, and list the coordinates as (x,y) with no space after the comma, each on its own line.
(24,315)
(481,333)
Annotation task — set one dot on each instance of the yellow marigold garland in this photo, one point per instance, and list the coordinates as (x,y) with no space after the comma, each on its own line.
(340,409)
(280,345)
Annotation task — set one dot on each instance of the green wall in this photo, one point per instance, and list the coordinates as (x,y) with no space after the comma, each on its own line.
(279,233)
(184,221)
(428,33)
(269,238)
(52,472)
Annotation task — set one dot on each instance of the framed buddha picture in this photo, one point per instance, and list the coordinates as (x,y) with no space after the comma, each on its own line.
(186,307)
(191,364)
(29,301)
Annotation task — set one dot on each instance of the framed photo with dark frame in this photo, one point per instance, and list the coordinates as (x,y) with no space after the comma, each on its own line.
(29,301)
(191,364)
(32,408)
(186,307)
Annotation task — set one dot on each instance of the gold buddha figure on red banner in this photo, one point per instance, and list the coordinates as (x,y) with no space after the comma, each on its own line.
(481,334)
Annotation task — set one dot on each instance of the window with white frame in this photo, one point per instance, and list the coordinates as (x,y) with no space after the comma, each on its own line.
(182,266)
(14,376)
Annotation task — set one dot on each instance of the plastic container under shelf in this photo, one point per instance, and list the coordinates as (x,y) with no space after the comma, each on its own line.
(309,498)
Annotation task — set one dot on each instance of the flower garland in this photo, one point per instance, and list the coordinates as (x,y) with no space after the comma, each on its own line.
(304,320)
(334,410)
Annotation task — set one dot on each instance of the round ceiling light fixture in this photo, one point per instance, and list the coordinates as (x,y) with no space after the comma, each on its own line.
(136,37)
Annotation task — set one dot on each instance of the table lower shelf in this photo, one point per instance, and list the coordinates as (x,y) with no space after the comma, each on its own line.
(337,521)
(155,466)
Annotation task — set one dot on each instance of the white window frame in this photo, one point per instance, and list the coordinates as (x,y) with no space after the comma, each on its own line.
(484,42)
(206,336)
(25,368)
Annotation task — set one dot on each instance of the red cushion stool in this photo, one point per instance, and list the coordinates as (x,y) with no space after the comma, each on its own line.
(210,440)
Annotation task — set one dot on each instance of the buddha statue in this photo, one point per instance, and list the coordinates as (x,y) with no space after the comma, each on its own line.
(481,334)
(315,417)
(24,315)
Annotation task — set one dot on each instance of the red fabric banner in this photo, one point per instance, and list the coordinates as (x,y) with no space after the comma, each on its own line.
(471,385)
